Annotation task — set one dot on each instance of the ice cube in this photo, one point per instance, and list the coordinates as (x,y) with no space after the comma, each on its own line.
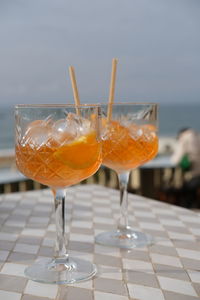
(85,126)
(149,132)
(65,130)
(82,125)
(38,133)
(136,131)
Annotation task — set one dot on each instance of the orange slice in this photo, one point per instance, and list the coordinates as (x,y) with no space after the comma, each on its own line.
(82,153)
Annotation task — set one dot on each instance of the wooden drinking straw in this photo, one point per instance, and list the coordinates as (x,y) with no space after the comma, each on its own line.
(112,89)
(75,89)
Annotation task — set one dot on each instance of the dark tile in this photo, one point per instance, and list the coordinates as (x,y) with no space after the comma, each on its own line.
(197,288)
(174,296)
(81,246)
(11,229)
(24,258)
(191,264)
(110,286)
(157,233)
(172,272)
(30,297)
(75,293)
(107,260)
(135,254)
(89,231)
(186,244)
(163,250)
(141,278)
(29,240)
(105,227)
(46,251)
(12,283)
(177,229)
(4,245)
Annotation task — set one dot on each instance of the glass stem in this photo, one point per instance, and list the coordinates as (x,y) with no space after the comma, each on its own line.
(123,182)
(61,241)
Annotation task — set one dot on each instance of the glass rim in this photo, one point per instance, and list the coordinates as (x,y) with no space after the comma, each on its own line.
(54,105)
(131,103)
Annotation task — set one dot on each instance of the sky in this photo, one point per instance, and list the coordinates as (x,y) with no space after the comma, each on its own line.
(157,44)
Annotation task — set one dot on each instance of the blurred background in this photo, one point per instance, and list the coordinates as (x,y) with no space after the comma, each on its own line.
(156,42)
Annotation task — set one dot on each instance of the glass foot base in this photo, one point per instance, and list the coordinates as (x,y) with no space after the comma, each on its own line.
(127,238)
(61,271)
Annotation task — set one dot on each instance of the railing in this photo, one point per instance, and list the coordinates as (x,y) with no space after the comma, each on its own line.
(151,180)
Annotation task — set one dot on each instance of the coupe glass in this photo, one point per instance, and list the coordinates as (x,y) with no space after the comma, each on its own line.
(58,146)
(129,141)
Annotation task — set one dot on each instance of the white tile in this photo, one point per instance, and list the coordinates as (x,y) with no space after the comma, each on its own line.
(24,212)
(13,196)
(144,214)
(163,211)
(48,242)
(137,265)
(33,232)
(41,290)
(169,222)
(42,208)
(154,226)
(109,272)
(176,285)
(81,224)
(139,203)
(13,269)
(101,201)
(84,284)
(103,220)
(8,205)
(40,220)
(51,227)
(9,295)
(108,296)
(78,213)
(164,242)
(15,223)
(194,275)
(102,209)
(81,255)
(165,260)
(141,292)
(107,250)
(195,231)
(3,255)
(188,253)
(25,248)
(11,237)
(180,236)
(191,219)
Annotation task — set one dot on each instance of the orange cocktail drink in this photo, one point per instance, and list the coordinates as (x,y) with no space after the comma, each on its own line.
(58,146)
(129,140)
(59,165)
(126,148)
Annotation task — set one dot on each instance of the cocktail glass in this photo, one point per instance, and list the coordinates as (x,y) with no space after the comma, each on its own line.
(129,141)
(58,146)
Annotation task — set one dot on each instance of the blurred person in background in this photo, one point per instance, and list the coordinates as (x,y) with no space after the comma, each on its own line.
(187,156)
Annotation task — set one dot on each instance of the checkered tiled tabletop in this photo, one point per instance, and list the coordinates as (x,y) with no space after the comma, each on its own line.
(170,269)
